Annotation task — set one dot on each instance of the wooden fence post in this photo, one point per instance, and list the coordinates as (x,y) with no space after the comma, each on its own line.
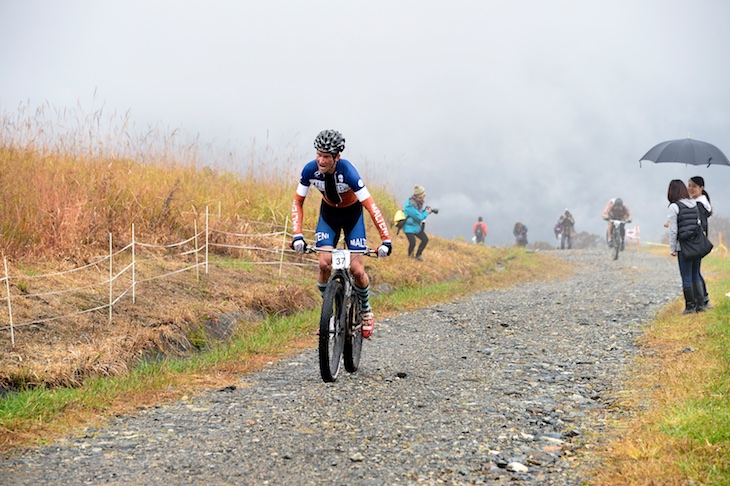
(111,280)
(283,245)
(206,240)
(10,307)
(195,229)
(134,263)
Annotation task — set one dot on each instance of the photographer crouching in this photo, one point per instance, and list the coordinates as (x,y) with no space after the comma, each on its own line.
(416,214)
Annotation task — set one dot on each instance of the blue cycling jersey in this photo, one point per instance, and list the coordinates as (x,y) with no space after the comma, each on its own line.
(349,184)
(335,217)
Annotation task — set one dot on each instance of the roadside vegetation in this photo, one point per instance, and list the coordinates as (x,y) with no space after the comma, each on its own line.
(677,400)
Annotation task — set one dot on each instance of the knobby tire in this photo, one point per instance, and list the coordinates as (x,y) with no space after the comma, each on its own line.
(353,343)
(331,343)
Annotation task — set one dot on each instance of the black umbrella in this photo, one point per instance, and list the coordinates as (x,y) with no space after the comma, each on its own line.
(686,151)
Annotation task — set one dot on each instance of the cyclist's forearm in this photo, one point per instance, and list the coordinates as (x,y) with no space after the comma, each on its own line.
(297,214)
(377,217)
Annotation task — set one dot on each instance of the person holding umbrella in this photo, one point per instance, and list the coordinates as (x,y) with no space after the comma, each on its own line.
(690,152)
(682,220)
(696,189)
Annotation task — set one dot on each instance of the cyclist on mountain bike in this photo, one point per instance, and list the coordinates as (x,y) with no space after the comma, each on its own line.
(616,209)
(343,196)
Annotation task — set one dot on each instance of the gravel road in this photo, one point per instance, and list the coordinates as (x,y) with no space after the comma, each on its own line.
(508,385)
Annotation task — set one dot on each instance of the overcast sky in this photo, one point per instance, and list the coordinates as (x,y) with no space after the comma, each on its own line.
(508,110)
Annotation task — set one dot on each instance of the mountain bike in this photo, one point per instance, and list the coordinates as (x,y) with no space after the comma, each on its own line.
(616,243)
(340,324)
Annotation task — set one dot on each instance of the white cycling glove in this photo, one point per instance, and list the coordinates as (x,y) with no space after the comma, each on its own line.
(298,245)
(385,249)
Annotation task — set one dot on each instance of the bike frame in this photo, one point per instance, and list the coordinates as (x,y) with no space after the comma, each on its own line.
(616,226)
(340,334)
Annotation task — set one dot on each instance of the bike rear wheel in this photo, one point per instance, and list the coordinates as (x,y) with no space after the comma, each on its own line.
(332,330)
(353,343)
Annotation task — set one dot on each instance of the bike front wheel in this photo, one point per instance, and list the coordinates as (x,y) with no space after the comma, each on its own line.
(332,330)
(353,343)
(616,243)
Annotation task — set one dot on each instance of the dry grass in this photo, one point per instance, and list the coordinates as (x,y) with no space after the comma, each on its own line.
(63,207)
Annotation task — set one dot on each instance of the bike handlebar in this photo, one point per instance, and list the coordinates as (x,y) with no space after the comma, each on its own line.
(366,252)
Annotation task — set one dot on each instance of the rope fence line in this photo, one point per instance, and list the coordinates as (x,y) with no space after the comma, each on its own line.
(76,269)
(156,277)
(56,292)
(720,249)
(242,235)
(171,245)
(279,249)
(130,270)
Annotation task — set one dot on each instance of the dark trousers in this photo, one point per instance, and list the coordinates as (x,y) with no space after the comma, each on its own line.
(412,242)
(702,279)
(689,270)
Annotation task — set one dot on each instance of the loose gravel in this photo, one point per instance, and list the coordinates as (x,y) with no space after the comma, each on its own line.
(507,385)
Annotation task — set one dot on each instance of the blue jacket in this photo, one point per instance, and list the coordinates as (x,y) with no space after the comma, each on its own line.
(414,217)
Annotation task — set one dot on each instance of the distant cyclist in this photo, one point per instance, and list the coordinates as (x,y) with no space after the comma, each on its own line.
(343,196)
(616,209)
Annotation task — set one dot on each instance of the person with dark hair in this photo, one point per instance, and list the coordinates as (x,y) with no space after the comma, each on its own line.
(480,231)
(416,213)
(344,196)
(566,223)
(683,215)
(696,189)
(520,232)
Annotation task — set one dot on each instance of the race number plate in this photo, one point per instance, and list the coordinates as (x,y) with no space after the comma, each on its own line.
(340,259)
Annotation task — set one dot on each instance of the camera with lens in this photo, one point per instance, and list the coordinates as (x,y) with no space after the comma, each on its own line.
(433,210)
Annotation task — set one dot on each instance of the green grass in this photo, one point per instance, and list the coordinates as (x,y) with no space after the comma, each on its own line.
(232,263)
(704,420)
